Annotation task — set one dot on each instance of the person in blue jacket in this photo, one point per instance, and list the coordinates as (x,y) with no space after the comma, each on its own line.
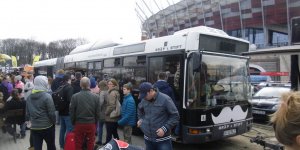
(163,86)
(128,113)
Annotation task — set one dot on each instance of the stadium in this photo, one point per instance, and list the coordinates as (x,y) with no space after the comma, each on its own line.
(265,23)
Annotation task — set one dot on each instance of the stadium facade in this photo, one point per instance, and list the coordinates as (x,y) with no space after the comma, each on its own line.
(265,23)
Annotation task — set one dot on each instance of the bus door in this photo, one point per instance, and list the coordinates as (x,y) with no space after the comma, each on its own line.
(98,70)
(172,65)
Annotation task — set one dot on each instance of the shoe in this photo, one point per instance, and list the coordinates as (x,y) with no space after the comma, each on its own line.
(22,136)
(31,148)
(16,135)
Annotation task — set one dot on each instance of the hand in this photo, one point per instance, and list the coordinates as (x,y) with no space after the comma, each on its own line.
(139,123)
(160,132)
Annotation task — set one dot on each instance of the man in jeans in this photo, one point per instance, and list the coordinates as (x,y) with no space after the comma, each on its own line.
(157,116)
(85,112)
(65,120)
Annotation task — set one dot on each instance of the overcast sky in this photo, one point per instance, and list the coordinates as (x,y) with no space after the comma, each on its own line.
(50,20)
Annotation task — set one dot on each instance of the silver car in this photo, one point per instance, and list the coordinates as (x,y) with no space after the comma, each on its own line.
(266,101)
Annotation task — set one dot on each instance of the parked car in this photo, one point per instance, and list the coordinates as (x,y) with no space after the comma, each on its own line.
(266,101)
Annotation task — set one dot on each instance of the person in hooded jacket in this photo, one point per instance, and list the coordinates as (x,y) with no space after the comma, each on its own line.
(163,86)
(40,111)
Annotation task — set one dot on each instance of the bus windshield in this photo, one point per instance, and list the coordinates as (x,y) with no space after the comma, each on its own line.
(214,80)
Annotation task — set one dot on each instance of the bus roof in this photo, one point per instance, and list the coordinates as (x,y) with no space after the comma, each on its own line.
(48,62)
(293,49)
(187,39)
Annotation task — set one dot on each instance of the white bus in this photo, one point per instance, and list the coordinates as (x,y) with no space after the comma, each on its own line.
(208,76)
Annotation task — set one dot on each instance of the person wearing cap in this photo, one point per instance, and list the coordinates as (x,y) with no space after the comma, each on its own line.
(157,115)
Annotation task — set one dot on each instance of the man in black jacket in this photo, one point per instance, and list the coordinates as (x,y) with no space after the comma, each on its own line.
(65,121)
(58,80)
(76,83)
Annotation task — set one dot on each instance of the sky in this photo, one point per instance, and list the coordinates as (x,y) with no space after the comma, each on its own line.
(51,20)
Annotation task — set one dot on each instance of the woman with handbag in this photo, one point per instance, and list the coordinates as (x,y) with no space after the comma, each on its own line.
(112,112)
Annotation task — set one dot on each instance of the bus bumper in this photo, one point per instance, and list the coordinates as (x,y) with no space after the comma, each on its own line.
(215,132)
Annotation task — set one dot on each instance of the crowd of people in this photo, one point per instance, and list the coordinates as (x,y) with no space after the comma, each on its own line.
(85,106)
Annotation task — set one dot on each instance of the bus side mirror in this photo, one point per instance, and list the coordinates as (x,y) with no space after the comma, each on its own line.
(196,58)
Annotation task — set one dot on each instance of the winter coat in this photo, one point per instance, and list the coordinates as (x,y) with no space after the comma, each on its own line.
(165,88)
(28,88)
(84,107)
(14,104)
(128,111)
(76,86)
(160,113)
(40,109)
(57,82)
(113,97)
(68,93)
(103,102)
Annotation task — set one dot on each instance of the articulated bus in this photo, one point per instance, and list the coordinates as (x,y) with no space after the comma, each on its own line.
(209,77)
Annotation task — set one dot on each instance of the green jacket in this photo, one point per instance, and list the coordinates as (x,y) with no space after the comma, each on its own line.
(85,107)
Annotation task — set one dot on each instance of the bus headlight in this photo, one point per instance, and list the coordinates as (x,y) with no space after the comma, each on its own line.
(207,130)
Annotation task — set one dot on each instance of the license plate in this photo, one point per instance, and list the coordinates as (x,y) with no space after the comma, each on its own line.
(258,112)
(229,132)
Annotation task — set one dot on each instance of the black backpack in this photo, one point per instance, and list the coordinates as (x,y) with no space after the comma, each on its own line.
(4,91)
(60,102)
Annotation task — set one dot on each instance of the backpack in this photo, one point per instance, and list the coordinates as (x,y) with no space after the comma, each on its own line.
(4,91)
(60,102)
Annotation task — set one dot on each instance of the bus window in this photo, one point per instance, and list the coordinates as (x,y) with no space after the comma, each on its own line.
(90,68)
(113,69)
(134,71)
(217,82)
(171,66)
(115,62)
(156,65)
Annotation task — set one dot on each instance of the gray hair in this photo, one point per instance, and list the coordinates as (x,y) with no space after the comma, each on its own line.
(85,83)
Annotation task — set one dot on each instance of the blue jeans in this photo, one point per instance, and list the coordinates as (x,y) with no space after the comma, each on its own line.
(100,131)
(163,145)
(23,129)
(65,127)
(45,134)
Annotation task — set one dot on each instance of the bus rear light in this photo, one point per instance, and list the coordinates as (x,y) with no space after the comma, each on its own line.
(194,131)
